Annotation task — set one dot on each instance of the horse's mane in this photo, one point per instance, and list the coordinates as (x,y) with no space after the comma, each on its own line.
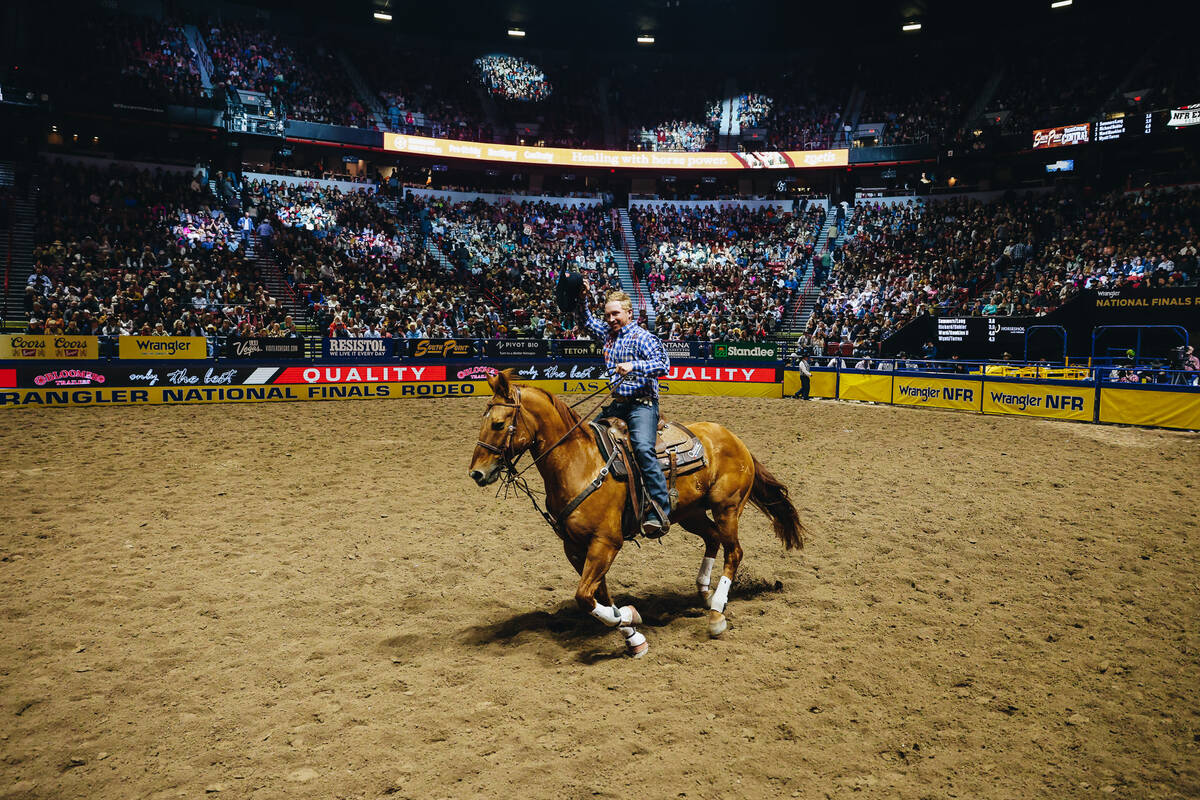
(568,415)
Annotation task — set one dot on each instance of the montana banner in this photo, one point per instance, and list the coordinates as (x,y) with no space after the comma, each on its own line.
(42,346)
(360,349)
(958,393)
(264,347)
(747,351)
(162,347)
(1057,399)
(684,350)
(1163,407)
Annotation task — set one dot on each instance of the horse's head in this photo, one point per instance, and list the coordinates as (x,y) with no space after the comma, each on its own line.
(506,431)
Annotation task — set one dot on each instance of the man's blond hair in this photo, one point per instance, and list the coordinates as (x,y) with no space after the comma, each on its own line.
(618,296)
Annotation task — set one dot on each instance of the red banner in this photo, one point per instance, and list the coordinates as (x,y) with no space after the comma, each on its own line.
(725,374)
(371,374)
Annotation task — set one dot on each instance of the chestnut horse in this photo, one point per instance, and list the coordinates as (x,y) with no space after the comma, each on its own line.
(520,418)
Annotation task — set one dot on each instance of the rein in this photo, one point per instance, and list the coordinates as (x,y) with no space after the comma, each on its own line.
(511,477)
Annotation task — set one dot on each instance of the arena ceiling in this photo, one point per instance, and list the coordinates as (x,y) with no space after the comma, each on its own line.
(701,24)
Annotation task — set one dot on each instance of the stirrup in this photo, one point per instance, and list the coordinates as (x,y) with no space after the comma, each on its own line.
(655,528)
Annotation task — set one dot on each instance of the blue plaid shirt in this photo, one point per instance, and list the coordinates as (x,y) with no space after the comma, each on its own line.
(635,344)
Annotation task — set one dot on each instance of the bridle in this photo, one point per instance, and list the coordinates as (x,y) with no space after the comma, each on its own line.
(504,449)
(510,476)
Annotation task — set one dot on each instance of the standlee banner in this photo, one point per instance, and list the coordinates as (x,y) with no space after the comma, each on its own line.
(176,347)
(358,349)
(442,348)
(635,159)
(41,346)
(517,348)
(264,347)
(748,351)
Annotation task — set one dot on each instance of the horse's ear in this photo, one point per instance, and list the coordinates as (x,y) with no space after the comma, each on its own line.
(500,384)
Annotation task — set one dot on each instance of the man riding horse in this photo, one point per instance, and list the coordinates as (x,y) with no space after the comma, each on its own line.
(636,355)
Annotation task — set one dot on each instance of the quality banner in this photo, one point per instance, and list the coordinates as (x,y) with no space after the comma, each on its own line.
(1056,400)
(43,346)
(179,347)
(1161,408)
(960,394)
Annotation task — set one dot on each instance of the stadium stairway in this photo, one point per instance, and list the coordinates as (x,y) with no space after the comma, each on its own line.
(802,304)
(369,100)
(277,285)
(203,60)
(624,256)
(17,250)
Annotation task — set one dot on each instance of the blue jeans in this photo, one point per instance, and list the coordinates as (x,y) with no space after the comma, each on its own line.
(642,420)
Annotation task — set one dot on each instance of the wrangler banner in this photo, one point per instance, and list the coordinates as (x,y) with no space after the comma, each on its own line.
(634,159)
(1057,400)
(190,395)
(1160,407)
(42,346)
(960,394)
(162,347)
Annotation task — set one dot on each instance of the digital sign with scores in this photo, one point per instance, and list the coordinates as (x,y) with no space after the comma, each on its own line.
(1126,127)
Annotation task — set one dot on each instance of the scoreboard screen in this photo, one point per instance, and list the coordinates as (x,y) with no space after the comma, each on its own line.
(981,333)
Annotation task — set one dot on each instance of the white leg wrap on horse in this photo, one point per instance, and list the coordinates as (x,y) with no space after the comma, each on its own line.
(607,614)
(721,596)
(633,639)
(704,576)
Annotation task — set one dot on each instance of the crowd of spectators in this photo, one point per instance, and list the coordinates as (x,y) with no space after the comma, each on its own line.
(753,109)
(723,272)
(306,78)
(677,135)
(513,78)
(120,251)
(1019,256)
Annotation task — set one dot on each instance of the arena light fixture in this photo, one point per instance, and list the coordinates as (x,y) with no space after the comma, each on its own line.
(382,16)
(516,33)
(910,27)
(1061,3)
(645,39)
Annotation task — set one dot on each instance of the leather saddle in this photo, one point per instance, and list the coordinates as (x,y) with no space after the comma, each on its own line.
(678,450)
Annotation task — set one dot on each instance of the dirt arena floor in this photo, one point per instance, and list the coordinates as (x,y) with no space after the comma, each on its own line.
(312,600)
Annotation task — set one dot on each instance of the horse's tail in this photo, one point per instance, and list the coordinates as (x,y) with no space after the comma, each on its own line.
(771,497)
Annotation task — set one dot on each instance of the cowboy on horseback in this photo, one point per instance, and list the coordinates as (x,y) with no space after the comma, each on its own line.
(637,355)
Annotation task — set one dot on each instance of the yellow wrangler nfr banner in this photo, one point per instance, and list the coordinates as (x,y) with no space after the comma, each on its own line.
(958,393)
(1160,408)
(1056,401)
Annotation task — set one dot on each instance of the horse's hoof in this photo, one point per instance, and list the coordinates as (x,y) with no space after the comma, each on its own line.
(717,624)
(634,619)
(636,645)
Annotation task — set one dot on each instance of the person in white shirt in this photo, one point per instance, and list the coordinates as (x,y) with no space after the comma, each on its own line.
(805,377)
